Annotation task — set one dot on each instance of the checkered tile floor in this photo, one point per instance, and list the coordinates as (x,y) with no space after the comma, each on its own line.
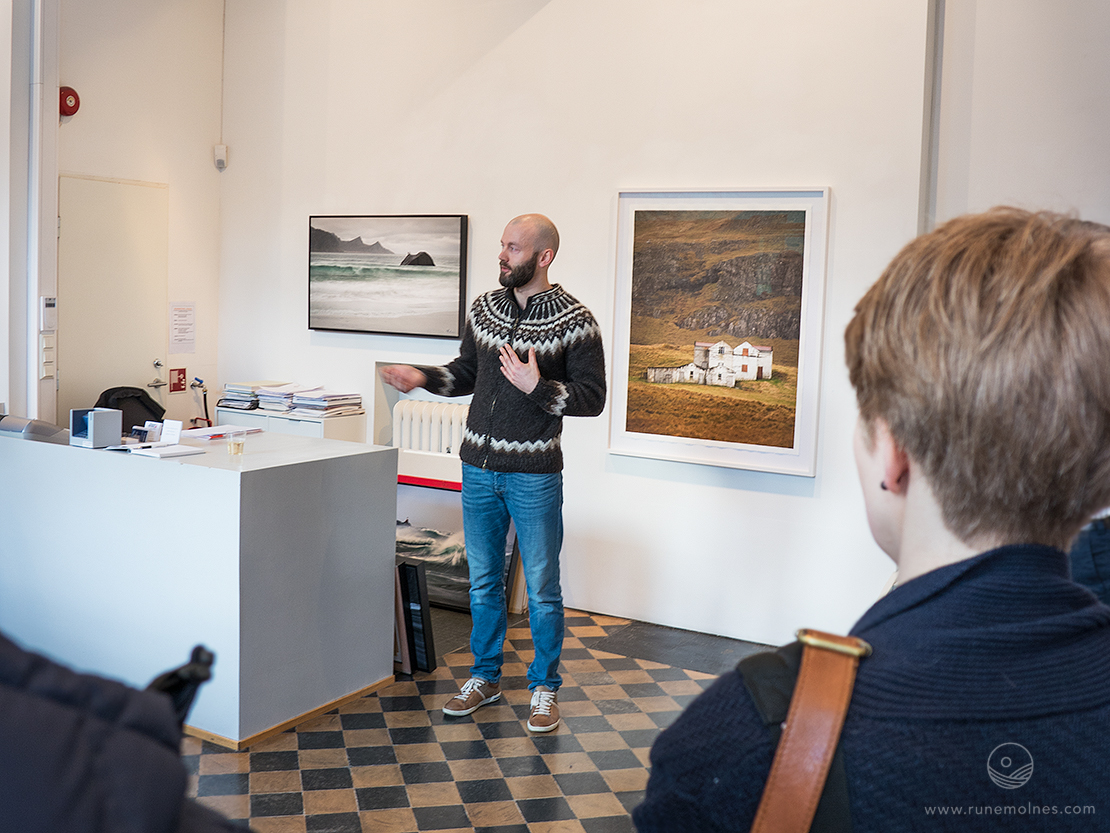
(392,762)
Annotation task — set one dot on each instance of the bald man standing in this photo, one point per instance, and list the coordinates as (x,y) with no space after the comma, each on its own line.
(531,354)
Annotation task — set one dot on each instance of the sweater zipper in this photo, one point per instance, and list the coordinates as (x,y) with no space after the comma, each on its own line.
(493,403)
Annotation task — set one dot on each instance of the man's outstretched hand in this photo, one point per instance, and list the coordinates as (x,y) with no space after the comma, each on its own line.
(403,377)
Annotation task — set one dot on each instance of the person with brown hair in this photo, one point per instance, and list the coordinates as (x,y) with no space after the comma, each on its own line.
(981,365)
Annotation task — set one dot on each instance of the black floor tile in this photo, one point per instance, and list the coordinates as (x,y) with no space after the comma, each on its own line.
(502,729)
(644,690)
(334,823)
(545,809)
(426,773)
(609,824)
(615,759)
(617,706)
(576,653)
(362,720)
(371,755)
(326,779)
(441,818)
(381,798)
(640,738)
(581,783)
(664,719)
(476,792)
(319,740)
(414,734)
(448,687)
(237,783)
(524,765)
(587,724)
(277,804)
(274,761)
(573,694)
(402,704)
(619,664)
(465,750)
(556,742)
(631,799)
(662,675)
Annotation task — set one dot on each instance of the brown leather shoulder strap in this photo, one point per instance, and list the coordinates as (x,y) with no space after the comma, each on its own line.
(811,732)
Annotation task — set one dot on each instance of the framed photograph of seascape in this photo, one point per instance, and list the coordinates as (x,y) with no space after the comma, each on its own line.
(388,274)
(717,338)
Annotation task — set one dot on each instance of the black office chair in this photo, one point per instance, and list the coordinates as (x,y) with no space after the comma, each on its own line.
(136,404)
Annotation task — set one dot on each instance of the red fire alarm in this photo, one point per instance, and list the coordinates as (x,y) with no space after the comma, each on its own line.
(70,101)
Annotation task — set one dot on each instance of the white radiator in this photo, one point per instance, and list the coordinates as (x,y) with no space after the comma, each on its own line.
(429,435)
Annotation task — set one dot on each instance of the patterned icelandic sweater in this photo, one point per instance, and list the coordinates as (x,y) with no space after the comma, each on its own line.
(506,429)
(996,650)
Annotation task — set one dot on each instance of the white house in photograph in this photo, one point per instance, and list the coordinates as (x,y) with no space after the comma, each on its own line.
(718,364)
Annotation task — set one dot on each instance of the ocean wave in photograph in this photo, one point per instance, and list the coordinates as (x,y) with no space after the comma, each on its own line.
(362,291)
(444,557)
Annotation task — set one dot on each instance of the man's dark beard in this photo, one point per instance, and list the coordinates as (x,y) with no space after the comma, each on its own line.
(520,275)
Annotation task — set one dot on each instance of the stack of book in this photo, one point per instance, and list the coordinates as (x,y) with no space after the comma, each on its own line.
(243,396)
(279,398)
(326,403)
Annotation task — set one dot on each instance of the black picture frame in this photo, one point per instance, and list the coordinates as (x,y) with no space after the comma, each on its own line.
(388,274)
(416,615)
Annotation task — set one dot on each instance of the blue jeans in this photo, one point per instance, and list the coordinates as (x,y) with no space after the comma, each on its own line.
(535,504)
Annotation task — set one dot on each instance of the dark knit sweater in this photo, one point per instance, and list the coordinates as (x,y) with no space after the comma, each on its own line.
(506,429)
(85,754)
(999,649)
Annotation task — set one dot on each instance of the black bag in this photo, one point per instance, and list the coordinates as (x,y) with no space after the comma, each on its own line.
(770,677)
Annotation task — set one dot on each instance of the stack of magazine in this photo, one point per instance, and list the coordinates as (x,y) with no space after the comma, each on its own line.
(326,403)
(278,399)
(243,396)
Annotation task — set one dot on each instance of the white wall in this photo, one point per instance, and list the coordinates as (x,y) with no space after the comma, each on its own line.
(149,76)
(493,109)
(1025,107)
(496,107)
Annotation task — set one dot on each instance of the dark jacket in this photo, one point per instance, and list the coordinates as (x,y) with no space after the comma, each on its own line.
(977,666)
(82,753)
(506,429)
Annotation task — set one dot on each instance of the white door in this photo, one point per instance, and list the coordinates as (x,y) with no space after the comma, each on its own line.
(113,276)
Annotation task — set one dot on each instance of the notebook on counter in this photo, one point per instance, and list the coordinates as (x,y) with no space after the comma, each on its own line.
(166,450)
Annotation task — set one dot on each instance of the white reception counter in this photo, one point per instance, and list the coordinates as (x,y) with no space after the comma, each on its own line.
(281,563)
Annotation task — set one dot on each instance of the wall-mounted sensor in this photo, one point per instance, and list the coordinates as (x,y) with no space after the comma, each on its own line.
(221,157)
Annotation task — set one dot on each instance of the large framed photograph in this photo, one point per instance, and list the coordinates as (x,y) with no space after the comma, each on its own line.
(717,339)
(430,532)
(397,274)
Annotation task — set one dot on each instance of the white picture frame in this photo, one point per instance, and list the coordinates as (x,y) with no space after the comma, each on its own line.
(709,258)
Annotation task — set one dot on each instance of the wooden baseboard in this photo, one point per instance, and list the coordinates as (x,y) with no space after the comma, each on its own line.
(240,745)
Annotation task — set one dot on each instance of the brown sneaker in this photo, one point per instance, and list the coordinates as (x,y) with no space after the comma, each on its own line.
(545,711)
(475,693)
